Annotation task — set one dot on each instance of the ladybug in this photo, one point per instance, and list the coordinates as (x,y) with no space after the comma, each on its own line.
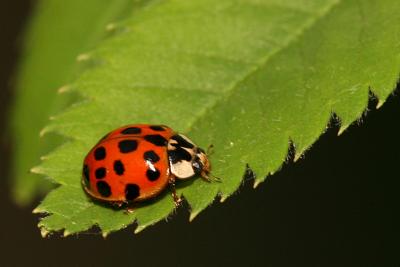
(136,163)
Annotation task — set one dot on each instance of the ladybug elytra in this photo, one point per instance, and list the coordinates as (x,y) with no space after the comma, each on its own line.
(137,162)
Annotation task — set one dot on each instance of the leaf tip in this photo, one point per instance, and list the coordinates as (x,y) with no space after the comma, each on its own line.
(64,89)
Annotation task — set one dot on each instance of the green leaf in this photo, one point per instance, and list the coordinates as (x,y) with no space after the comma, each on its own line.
(59,31)
(247,76)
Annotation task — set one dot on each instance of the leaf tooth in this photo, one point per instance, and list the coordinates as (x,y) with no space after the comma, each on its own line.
(298,151)
(110,27)
(380,103)
(116,28)
(44,131)
(52,128)
(193,215)
(224,197)
(195,210)
(66,233)
(140,228)
(38,209)
(44,232)
(105,234)
(198,205)
(88,61)
(83,57)
(37,170)
(342,129)
(64,89)
(164,208)
(257,182)
(298,155)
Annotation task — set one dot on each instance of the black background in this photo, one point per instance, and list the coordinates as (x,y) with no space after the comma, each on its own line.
(339,205)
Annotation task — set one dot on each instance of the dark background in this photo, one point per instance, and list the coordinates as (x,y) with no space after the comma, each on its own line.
(339,205)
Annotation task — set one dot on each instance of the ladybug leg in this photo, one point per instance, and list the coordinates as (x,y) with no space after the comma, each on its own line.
(206,177)
(210,150)
(177,199)
(129,208)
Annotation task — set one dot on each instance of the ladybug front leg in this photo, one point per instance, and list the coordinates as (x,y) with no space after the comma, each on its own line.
(177,199)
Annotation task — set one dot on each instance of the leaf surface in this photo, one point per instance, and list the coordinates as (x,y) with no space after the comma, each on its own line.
(247,76)
(59,31)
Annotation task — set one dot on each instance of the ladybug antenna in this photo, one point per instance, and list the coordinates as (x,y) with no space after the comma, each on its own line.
(210,150)
(215,178)
(208,175)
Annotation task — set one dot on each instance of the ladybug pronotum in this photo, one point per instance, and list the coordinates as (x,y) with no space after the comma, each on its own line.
(137,162)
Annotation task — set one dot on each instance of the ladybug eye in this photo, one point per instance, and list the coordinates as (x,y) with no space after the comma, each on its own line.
(197,165)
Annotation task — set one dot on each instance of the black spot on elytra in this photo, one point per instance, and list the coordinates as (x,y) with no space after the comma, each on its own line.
(182,142)
(100,173)
(156,139)
(86,174)
(132,191)
(100,153)
(131,130)
(119,167)
(151,156)
(126,146)
(179,154)
(103,188)
(157,128)
(153,175)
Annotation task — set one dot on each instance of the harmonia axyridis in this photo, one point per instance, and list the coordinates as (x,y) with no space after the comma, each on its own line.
(136,162)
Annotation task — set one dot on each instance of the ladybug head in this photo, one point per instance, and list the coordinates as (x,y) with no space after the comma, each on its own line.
(201,164)
(186,159)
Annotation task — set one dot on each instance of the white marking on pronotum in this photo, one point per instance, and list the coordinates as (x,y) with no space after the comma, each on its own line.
(182,169)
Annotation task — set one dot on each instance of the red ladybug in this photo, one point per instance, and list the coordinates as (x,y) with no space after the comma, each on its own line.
(136,162)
